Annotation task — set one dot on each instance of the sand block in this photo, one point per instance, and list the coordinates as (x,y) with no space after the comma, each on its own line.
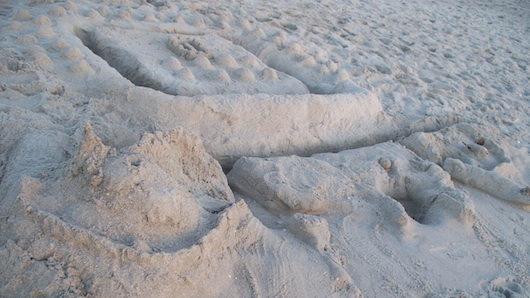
(268,125)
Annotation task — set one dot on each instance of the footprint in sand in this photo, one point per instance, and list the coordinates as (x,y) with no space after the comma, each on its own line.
(507,287)
(27,83)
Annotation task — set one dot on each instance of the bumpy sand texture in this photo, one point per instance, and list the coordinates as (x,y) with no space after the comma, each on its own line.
(189,66)
(332,183)
(264,149)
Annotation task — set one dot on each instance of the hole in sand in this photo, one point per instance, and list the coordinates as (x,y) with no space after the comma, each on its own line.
(481,142)
(417,210)
(414,209)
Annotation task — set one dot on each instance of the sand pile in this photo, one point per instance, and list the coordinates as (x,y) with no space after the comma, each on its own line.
(264,148)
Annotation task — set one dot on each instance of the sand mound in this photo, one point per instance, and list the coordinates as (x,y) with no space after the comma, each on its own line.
(471,158)
(161,201)
(330,183)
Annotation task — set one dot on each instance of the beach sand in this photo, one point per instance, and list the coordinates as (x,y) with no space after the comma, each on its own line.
(326,148)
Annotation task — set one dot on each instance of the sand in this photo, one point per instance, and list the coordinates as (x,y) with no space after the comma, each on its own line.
(264,148)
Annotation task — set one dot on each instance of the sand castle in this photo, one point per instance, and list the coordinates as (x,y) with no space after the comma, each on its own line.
(263,148)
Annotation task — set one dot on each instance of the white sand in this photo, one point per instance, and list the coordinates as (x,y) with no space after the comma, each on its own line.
(271,148)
